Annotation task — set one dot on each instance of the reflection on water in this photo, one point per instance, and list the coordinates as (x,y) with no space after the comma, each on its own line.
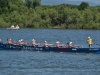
(49,63)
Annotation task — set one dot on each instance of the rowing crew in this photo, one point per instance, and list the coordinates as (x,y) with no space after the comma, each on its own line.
(69,45)
(21,42)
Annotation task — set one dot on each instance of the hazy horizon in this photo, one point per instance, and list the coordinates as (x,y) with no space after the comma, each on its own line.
(77,2)
(94,1)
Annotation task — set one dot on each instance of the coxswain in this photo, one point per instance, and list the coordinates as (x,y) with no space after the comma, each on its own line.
(90,42)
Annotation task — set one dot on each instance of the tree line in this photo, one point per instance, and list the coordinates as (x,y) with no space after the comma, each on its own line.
(32,14)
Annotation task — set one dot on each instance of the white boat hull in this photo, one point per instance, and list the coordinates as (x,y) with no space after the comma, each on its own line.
(13,28)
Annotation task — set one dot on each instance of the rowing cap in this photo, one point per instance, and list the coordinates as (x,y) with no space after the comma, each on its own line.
(45,41)
(21,39)
(88,37)
(33,40)
(57,42)
(70,42)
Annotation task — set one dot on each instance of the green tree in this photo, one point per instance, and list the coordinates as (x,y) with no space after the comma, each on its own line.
(3,6)
(36,3)
(30,13)
(83,5)
(28,3)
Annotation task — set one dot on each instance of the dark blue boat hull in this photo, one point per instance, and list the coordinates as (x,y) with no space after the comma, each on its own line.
(43,48)
(78,50)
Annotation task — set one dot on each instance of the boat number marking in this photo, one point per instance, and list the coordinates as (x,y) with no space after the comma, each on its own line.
(94,49)
(74,49)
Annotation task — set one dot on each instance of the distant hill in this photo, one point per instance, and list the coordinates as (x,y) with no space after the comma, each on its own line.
(56,2)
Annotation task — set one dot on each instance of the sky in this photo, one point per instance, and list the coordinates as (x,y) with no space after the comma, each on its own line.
(94,1)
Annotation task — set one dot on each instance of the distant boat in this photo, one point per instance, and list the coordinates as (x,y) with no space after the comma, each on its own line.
(13,27)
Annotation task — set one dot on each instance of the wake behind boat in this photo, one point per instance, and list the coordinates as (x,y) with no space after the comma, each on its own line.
(13,27)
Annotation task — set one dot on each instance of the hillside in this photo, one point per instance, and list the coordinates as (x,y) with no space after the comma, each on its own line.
(56,2)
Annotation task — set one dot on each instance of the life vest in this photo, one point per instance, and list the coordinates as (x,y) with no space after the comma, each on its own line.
(89,41)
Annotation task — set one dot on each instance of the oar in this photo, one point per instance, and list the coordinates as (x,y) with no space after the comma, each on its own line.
(97,44)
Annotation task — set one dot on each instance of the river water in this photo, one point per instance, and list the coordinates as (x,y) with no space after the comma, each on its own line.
(49,63)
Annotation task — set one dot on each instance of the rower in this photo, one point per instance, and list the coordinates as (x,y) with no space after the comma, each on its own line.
(57,43)
(1,41)
(60,45)
(22,43)
(17,26)
(70,45)
(34,42)
(46,44)
(12,26)
(9,41)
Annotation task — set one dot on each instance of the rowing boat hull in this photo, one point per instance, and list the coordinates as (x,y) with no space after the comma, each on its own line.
(43,48)
(78,50)
(13,28)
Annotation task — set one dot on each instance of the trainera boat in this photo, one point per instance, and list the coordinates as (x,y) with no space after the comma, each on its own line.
(47,48)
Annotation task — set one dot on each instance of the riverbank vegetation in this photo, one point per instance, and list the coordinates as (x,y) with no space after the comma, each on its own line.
(32,14)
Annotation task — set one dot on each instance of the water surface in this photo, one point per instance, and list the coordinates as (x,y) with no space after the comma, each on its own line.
(49,63)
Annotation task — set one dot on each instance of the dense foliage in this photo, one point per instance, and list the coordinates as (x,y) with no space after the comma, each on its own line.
(32,14)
